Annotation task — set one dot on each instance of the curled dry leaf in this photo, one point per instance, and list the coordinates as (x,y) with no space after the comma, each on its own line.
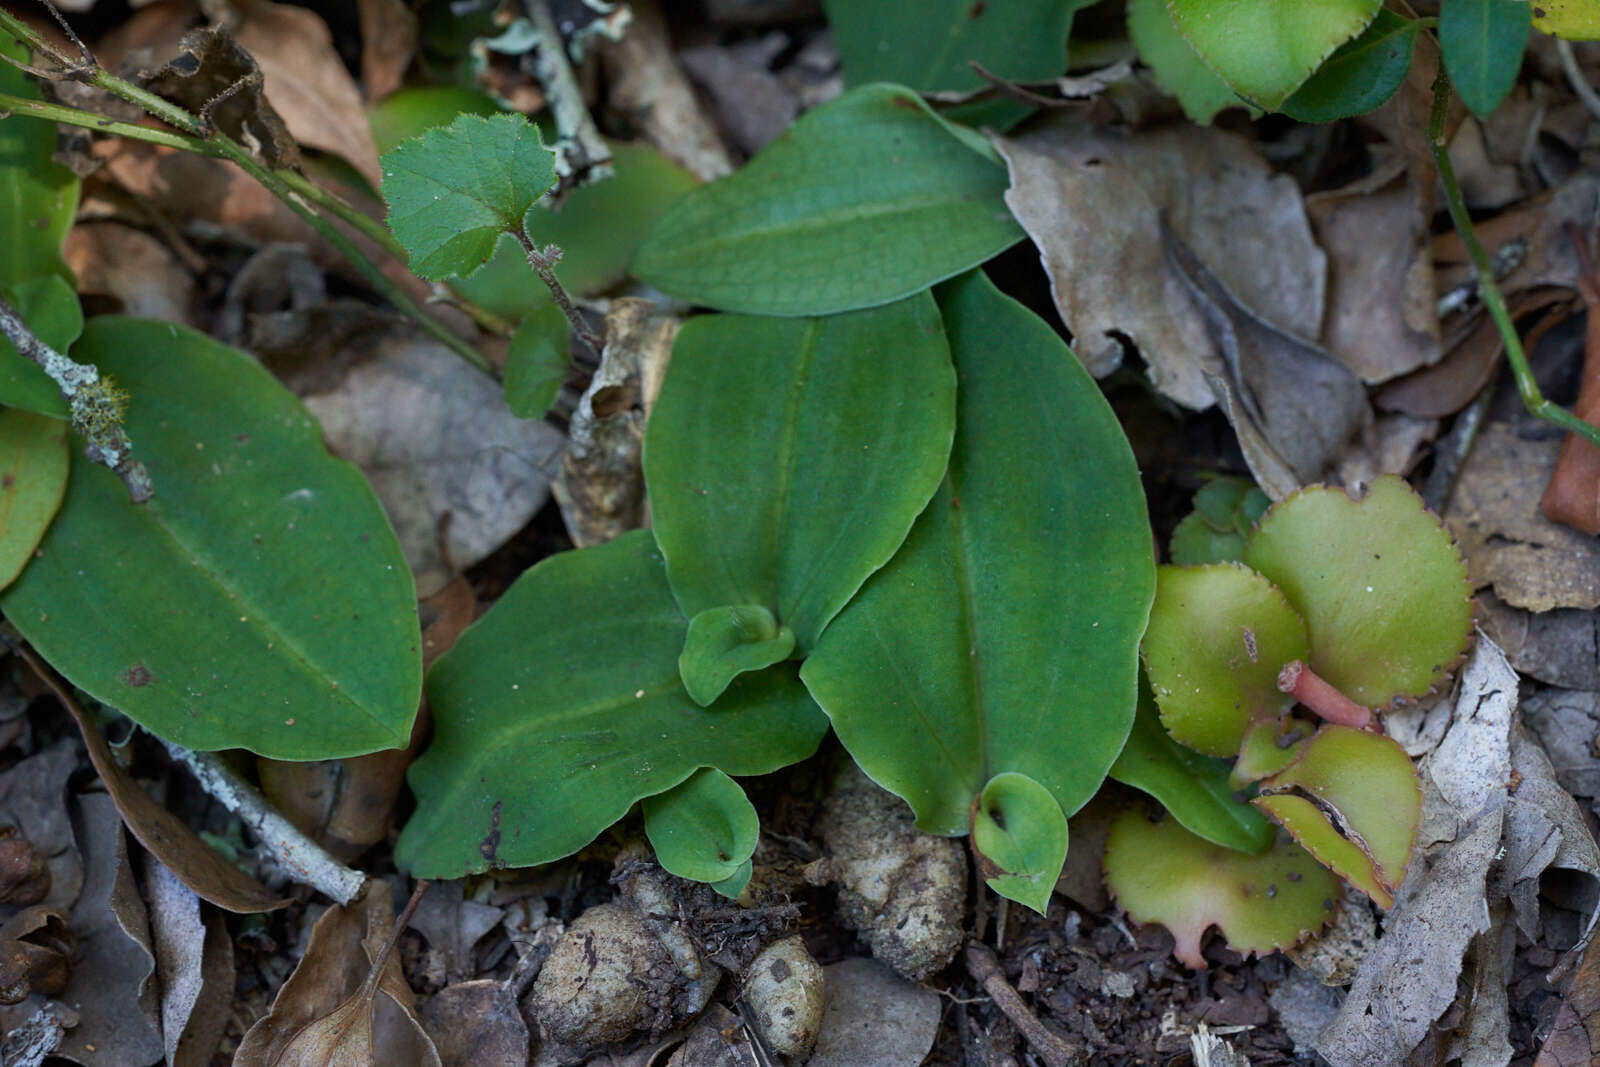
(210,64)
(1572,495)
(137,272)
(1574,1039)
(33,801)
(194,958)
(1559,647)
(388,40)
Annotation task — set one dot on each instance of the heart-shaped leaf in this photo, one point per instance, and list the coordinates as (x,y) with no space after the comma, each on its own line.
(1482,43)
(1178,67)
(1381,587)
(1266,49)
(1218,637)
(704,829)
(869,198)
(1002,636)
(33,477)
(1160,872)
(51,309)
(562,707)
(38,197)
(260,600)
(1214,532)
(787,458)
(1020,837)
(1361,75)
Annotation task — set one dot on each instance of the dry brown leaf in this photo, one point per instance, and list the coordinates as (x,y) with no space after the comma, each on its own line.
(135,272)
(194,958)
(1487,184)
(33,799)
(1560,647)
(1541,222)
(1574,1039)
(718,1039)
(1567,724)
(1092,200)
(874,1018)
(452,925)
(388,40)
(477,1023)
(1572,496)
(1545,830)
(752,104)
(217,79)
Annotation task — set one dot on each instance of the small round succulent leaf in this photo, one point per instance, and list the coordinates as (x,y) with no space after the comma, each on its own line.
(1020,836)
(724,642)
(1383,591)
(1160,872)
(1263,752)
(1218,636)
(1313,832)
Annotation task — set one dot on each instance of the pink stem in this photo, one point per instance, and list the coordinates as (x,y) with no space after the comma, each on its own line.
(1301,682)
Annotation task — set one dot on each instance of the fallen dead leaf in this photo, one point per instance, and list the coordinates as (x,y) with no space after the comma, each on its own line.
(1572,496)
(33,798)
(1574,1039)
(1567,724)
(1545,831)
(477,1023)
(388,40)
(1541,222)
(452,925)
(194,959)
(874,1018)
(752,104)
(1560,646)
(138,274)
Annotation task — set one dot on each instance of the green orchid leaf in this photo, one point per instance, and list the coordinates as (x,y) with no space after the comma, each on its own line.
(51,309)
(787,458)
(724,642)
(1020,837)
(1265,49)
(1030,572)
(733,886)
(1369,786)
(1361,75)
(1381,587)
(1160,872)
(1482,42)
(1178,67)
(536,362)
(34,458)
(1225,509)
(260,600)
(1218,637)
(1193,787)
(867,199)
(561,708)
(454,190)
(38,197)
(704,829)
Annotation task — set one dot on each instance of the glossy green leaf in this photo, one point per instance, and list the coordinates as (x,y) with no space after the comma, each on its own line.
(536,362)
(1482,43)
(33,478)
(1218,637)
(1266,49)
(724,642)
(260,600)
(704,829)
(1225,509)
(1178,67)
(787,458)
(38,197)
(51,309)
(1192,786)
(1020,836)
(1002,636)
(561,708)
(405,113)
(1361,75)
(454,190)
(1160,872)
(867,199)
(1379,582)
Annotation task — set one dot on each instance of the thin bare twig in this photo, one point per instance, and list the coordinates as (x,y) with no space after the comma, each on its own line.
(1053,1049)
(582,155)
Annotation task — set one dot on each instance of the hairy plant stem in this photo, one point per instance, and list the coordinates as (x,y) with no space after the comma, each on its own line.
(543,261)
(1298,680)
(1488,291)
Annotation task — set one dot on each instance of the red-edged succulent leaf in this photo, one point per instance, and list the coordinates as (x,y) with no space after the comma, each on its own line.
(1381,587)
(1354,801)
(1267,748)
(1218,636)
(1160,872)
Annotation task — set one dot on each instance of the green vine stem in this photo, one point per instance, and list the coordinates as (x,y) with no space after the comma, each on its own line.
(1532,398)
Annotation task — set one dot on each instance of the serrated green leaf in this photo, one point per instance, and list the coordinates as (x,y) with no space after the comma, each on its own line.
(1266,49)
(1361,75)
(536,362)
(1002,636)
(1482,43)
(260,600)
(1020,836)
(561,708)
(787,458)
(51,309)
(724,642)
(867,199)
(38,197)
(1178,67)
(453,191)
(33,478)
(704,829)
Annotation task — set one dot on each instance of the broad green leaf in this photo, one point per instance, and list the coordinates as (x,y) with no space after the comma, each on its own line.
(724,642)
(931,46)
(33,477)
(1020,837)
(38,197)
(51,309)
(867,199)
(1178,67)
(1361,75)
(1266,49)
(1003,635)
(561,708)
(1576,20)
(536,362)
(260,600)
(1218,637)
(1379,582)
(704,829)
(1160,872)
(1225,509)
(1482,43)
(454,190)
(787,458)
(1192,786)
(405,113)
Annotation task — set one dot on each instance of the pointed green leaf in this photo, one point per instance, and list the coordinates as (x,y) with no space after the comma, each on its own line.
(1192,786)
(33,479)
(561,708)
(1002,636)
(1020,837)
(1482,42)
(1178,67)
(455,189)
(704,829)
(726,641)
(51,309)
(867,199)
(1361,75)
(1266,49)
(536,362)
(260,600)
(38,197)
(787,458)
